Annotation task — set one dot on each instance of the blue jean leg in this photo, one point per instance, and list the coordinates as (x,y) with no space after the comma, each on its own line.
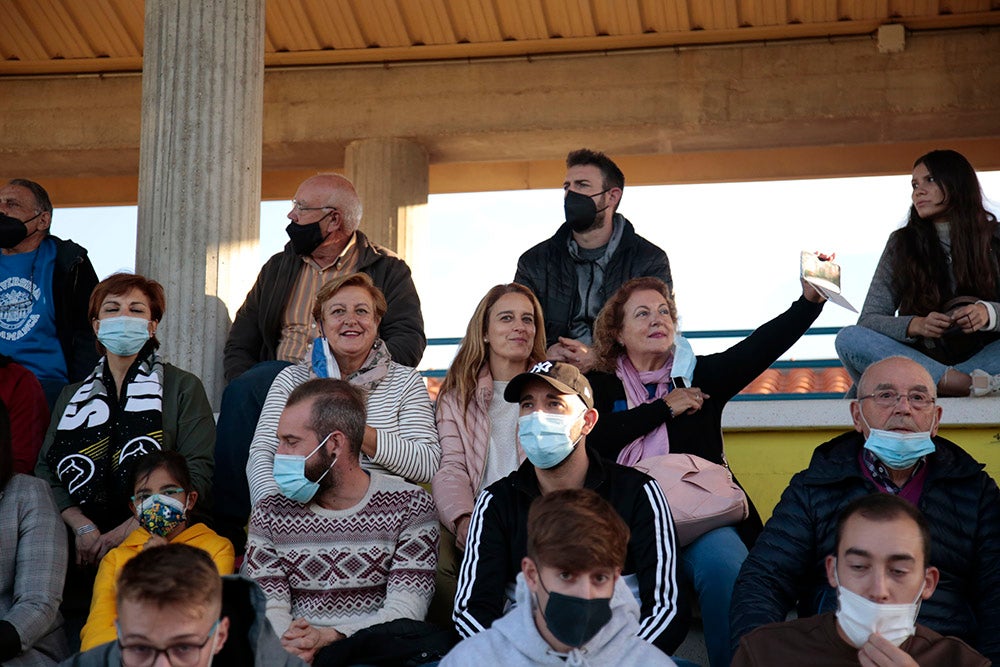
(860,347)
(712,563)
(987,359)
(242,402)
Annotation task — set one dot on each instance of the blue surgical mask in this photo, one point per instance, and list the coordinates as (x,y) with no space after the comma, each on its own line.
(290,475)
(545,438)
(899,451)
(684,362)
(123,335)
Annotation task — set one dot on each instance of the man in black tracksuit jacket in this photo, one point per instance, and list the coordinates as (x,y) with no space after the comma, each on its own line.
(498,530)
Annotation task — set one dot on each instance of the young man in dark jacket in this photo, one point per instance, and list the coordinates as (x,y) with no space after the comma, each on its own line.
(590,256)
(894,449)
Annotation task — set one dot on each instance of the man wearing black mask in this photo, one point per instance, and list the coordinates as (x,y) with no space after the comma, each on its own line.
(274,327)
(590,256)
(45,285)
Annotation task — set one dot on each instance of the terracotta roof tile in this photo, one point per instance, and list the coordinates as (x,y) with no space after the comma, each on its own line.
(771,381)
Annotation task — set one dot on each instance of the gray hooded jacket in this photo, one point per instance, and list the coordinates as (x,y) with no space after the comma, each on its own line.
(514,641)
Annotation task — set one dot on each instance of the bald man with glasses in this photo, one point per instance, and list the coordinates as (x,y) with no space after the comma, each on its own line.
(894,448)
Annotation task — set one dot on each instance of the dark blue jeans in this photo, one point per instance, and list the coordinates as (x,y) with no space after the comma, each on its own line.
(242,402)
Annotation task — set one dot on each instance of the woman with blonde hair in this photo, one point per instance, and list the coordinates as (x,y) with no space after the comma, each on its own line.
(477,428)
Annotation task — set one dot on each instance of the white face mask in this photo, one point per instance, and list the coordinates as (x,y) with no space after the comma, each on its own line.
(859,617)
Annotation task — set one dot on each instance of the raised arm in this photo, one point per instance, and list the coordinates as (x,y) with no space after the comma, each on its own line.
(725,374)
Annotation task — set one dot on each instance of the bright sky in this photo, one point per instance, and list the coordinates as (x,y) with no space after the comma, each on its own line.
(733,247)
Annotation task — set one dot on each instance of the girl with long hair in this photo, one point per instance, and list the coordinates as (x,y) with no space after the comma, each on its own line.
(935,295)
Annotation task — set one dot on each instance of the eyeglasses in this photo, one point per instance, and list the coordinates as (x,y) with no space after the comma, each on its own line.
(179,655)
(887,398)
(143,496)
(299,207)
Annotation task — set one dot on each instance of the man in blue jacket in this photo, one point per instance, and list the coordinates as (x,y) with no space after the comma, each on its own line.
(893,449)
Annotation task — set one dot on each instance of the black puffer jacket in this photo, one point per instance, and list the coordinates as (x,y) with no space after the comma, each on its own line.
(550,272)
(961,503)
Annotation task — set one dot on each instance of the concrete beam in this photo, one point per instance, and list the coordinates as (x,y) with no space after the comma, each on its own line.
(736,112)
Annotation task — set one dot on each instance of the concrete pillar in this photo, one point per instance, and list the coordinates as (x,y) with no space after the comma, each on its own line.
(391,176)
(200,170)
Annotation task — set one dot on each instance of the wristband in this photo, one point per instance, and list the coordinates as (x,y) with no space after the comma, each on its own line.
(87,528)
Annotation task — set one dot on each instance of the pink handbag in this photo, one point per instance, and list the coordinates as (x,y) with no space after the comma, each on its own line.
(702,495)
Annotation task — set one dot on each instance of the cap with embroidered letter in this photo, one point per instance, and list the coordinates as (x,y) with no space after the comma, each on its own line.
(565,378)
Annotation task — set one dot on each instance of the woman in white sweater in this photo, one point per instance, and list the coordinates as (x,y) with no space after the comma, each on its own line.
(400,436)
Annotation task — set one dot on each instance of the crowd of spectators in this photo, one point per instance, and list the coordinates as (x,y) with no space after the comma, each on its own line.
(332,514)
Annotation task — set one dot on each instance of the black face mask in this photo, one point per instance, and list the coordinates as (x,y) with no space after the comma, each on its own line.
(581,211)
(305,238)
(13,231)
(574,621)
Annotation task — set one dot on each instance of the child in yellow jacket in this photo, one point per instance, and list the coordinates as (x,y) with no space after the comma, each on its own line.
(163,498)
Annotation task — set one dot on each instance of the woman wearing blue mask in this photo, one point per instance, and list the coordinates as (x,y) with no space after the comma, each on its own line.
(163,502)
(655,397)
(131,404)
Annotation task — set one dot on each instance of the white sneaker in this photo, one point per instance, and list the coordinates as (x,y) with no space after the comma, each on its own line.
(984,384)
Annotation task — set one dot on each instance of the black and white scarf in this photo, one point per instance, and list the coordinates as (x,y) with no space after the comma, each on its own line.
(100,436)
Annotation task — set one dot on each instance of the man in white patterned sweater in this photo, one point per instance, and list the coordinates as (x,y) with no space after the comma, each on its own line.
(339,549)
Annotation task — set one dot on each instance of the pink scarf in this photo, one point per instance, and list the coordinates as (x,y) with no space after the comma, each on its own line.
(656,442)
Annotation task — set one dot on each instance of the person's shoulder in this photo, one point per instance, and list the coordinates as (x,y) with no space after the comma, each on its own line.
(398,371)
(932,648)
(105,654)
(539,251)
(277,504)
(387,483)
(379,252)
(486,647)
(284,256)
(66,247)
(175,374)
